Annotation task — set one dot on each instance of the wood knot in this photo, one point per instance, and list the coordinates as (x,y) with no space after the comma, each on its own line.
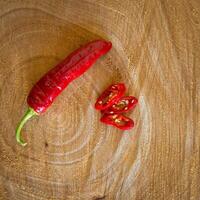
(46,144)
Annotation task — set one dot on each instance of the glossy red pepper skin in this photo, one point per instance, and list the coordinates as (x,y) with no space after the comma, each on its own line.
(51,85)
(110,96)
(56,80)
(118,120)
(125,104)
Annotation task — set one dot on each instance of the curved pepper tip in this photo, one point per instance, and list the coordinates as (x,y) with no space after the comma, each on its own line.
(29,113)
(21,142)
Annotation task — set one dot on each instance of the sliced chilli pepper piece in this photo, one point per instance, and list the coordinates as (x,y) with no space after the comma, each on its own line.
(118,120)
(110,96)
(123,105)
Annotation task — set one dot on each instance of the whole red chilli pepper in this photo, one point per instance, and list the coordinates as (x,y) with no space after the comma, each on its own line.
(53,82)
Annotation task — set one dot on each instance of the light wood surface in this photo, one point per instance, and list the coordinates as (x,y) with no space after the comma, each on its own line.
(70,154)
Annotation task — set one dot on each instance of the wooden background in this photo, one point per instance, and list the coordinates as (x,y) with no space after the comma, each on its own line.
(70,154)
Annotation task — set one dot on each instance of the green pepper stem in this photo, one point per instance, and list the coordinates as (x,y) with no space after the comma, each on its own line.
(29,113)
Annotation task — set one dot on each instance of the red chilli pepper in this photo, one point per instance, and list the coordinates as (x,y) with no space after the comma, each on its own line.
(56,80)
(118,120)
(110,96)
(125,104)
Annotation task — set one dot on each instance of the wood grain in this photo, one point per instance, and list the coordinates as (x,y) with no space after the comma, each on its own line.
(70,154)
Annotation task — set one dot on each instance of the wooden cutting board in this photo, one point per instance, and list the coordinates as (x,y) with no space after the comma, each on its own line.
(70,154)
